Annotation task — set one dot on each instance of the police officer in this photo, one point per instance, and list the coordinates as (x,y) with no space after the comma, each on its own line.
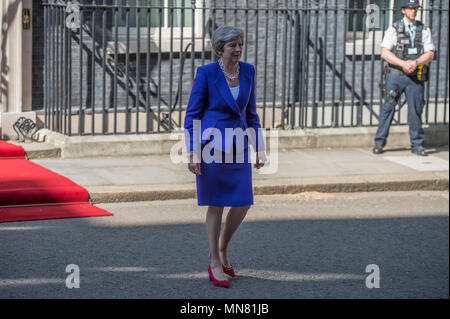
(407,47)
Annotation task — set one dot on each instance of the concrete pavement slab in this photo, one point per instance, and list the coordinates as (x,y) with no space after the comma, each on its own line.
(114,179)
(429,163)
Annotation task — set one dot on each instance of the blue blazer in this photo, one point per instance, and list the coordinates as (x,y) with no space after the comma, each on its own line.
(212,103)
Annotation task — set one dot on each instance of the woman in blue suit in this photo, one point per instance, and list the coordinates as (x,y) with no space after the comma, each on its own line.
(222,101)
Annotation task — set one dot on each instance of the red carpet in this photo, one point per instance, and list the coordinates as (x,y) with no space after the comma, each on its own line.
(31,192)
(8,150)
(23,182)
(14,214)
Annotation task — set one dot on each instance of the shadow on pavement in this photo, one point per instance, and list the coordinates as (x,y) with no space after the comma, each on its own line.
(312,258)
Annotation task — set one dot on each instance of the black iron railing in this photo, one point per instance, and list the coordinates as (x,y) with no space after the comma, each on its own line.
(115,66)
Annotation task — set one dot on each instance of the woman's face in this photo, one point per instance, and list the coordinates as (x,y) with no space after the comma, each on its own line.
(232,50)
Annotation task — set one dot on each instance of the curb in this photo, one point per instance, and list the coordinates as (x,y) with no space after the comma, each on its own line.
(38,150)
(428,185)
(434,182)
(44,154)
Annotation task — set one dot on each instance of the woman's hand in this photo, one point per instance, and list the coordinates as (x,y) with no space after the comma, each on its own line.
(261,159)
(194,164)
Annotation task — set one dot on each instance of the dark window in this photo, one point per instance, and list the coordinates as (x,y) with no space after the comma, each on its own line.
(153,13)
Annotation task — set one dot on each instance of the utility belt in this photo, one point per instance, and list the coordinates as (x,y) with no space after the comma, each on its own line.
(392,96)
(421,74)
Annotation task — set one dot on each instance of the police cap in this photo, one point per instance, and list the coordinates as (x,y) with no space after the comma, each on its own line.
(410,4)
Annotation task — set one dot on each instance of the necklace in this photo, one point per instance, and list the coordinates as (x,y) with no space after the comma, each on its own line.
(228,76)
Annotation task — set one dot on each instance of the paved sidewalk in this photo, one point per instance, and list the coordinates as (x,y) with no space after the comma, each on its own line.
(157,177)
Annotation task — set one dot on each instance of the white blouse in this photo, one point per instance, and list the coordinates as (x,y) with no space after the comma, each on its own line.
(235,92)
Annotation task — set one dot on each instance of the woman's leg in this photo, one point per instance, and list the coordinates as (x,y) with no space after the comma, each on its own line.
(234,218)
(213,222)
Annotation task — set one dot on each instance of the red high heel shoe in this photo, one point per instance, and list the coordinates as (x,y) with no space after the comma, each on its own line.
(228,270)
(222,283)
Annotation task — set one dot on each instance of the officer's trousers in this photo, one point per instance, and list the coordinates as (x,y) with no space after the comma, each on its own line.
(414,96)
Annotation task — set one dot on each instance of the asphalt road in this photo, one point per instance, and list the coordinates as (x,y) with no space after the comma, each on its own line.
(295,246)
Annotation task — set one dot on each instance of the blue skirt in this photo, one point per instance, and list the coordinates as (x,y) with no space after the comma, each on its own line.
(226,184)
